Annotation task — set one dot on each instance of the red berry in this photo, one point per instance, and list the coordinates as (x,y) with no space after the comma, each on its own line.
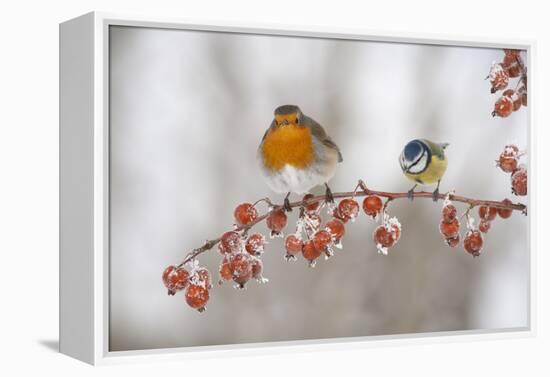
(514,70)
(336,229)
(508,159)
(510,63)
(310,206)
(484,226)
(255,244)
(503,107)
(257,268)
(508,165)
(225,269)
(519,182)
(348,209)
(175,278)
(514,96)
(202,276)
(241,267)
(449,213)
(505,213)
(498,78)
(453,241)
(384,237)
(473,242)
(310,253)
(197,296)
(336,214)
(293,245)
(230,243)
(321,240)
(276,221)
(487,213)
(449,229)
(372,205)
(245,213)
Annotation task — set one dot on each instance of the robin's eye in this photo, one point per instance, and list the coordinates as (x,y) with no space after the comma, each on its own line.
(297,120)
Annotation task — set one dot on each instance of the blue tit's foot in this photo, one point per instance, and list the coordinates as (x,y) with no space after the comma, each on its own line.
(329,198)
(286,205)
(435,195)
(410,193)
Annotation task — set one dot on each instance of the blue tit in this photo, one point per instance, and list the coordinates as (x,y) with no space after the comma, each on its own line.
(424,162)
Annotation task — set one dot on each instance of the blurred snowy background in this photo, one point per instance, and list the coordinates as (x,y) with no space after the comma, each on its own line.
(188,110)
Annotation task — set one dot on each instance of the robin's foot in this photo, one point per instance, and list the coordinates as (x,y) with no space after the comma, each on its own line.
(328,195)
(286,205)
(410,193)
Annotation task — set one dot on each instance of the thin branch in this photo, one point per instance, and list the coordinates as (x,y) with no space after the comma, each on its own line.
(390,196)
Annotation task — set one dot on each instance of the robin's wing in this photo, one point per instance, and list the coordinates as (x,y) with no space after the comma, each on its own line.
(318,131)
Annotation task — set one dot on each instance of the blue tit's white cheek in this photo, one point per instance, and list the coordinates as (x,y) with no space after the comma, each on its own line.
(420,166)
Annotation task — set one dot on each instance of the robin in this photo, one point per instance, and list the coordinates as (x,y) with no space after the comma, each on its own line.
(296,154)
(424,162)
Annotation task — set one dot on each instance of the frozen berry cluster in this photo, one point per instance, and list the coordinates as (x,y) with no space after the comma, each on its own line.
(241,252)
(312,240)
(508,162)
(241,249)
(449,226)
(499,76)
(195,283)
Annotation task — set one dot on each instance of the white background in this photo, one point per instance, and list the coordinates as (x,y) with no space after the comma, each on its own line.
(29,155)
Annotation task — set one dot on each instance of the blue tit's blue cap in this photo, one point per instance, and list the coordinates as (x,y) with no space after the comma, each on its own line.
(412,150)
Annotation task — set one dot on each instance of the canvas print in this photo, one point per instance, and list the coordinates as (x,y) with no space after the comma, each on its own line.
(268,188)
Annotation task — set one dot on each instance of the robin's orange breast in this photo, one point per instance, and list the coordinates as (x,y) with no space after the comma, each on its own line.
(287,145)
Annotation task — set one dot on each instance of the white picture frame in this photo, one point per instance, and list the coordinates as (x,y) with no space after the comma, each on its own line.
(84,185)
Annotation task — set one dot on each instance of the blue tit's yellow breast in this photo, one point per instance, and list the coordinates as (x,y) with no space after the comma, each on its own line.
(433,172)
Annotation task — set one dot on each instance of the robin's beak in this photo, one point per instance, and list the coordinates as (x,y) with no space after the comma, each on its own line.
(285,122)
